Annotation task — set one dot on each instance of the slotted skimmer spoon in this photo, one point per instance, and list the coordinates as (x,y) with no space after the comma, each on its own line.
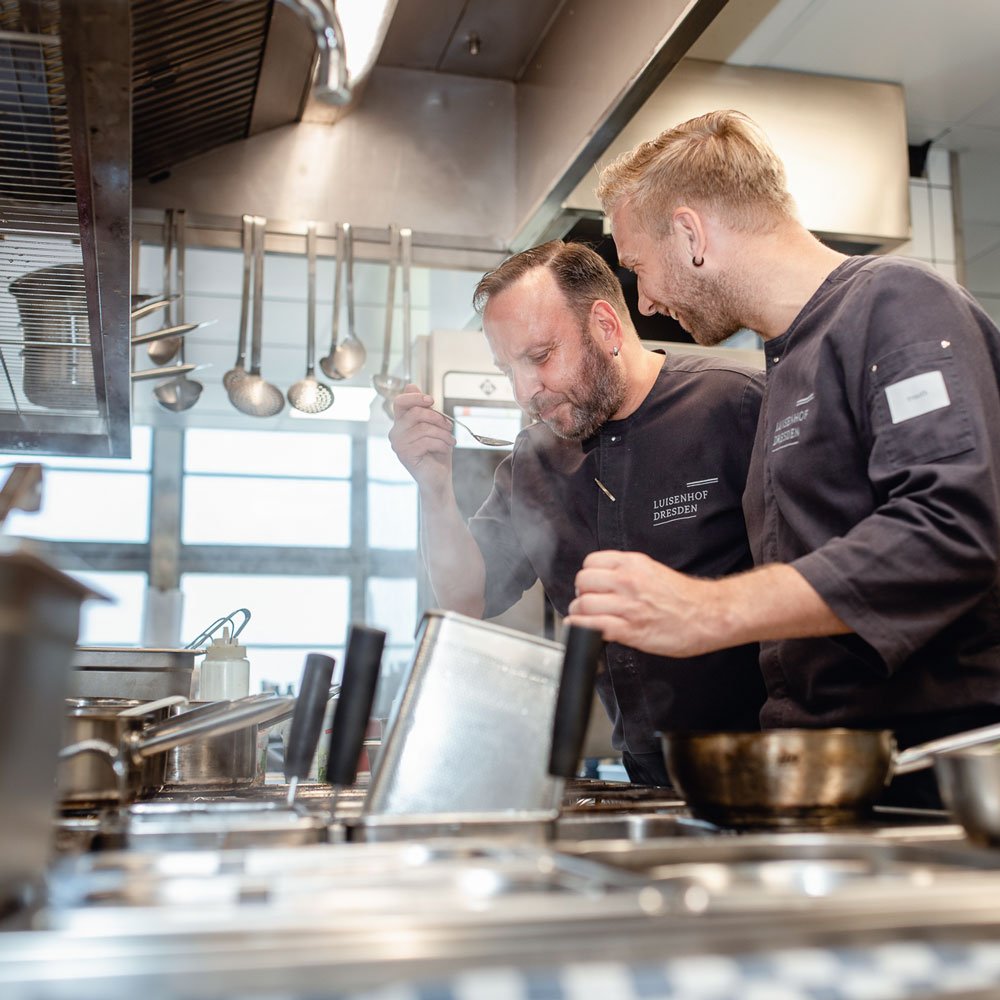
(252,395)
(308,394)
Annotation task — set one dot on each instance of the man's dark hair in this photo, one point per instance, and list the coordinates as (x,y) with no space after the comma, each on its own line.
(581,274)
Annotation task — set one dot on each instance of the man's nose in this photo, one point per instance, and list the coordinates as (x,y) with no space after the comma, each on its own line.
(525,384)
(646,306)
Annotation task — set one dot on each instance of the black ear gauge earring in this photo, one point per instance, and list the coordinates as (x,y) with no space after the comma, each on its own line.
(697,261)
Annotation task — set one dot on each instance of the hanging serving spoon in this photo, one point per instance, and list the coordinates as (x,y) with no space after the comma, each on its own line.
(179,393)
(252,395)
(327,363)
(239,369)
(308,394)
(350,355)
(162,351)
(386,385)
(406,261)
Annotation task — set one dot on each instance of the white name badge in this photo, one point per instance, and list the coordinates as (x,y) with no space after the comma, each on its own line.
(914,396)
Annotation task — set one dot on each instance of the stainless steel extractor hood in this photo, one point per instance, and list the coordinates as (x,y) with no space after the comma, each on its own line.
(65,193)
(843,142)
(92,91)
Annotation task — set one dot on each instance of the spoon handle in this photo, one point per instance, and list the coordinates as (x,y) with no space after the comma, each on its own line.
(390,296)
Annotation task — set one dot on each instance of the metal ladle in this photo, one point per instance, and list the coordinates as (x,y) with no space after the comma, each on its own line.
(386,385)
(252,395)
(162,351)
(326,363)
(239,370)
(180,393)
(350,354)
(308,394)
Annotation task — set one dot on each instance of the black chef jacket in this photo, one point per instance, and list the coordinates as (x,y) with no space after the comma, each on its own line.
(676,468)
(876,474)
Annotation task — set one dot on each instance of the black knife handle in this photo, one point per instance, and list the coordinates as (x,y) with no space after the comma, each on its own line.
(307,719)
(576,694)
(354,705)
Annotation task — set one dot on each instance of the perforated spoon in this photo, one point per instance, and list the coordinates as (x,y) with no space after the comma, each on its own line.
(308,394)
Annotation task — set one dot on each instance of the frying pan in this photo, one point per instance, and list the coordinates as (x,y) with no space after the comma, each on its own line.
(796,777)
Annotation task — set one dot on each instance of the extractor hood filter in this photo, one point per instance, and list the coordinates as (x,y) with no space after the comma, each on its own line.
(44,336)
(65,193)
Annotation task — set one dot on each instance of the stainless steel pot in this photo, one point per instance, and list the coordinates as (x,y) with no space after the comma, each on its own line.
(969,781)
(84,780)
(230,760)
(792,777)
(124,760)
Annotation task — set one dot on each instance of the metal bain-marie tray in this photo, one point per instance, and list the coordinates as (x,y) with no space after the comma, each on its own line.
(473,728)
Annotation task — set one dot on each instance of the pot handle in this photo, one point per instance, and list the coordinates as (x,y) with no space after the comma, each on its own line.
(307,720)
(152,706)
(357,692)
(922,755)
(576,693)
(108,752)
(179,731)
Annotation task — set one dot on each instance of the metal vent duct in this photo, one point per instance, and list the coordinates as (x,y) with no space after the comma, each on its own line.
(194,74)
(65,192)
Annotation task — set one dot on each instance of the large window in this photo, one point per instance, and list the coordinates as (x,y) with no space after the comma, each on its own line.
(309,531)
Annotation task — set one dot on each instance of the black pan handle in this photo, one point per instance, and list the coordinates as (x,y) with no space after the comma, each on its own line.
(354,706)
(576,694)
(307,719)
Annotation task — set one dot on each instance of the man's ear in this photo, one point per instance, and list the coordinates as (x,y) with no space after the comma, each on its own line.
(689,225)
(608,322)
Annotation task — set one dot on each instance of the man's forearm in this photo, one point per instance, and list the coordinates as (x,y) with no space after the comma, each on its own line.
(771,602)
(453,560)
(634,600)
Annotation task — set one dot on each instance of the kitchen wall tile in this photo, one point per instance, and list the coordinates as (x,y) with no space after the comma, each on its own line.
(942,224)
(939,167)
(920,218)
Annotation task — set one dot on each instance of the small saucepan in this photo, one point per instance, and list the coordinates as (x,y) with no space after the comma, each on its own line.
(123,773)
(84,779)
(796,777)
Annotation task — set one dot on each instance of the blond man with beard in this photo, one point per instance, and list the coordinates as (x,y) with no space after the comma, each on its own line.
(873,501)
(625,452)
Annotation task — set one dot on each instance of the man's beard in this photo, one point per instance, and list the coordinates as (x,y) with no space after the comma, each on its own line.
(711,314)
(599,395)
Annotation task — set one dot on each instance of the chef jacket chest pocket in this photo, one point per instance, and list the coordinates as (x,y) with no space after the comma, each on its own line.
(918,407)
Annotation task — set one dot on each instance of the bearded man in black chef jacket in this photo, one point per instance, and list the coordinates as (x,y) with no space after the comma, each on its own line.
(873,501)
(630,449)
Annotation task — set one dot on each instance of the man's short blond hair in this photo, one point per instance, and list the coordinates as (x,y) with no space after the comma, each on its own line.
(721,160)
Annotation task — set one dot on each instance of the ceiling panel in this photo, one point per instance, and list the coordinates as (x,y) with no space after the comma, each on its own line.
(944,54)
(468,37)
